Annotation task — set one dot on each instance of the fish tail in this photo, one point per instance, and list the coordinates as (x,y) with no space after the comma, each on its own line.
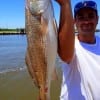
(43,91)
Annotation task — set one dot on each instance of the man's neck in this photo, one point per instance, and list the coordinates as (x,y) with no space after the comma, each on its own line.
(87,39)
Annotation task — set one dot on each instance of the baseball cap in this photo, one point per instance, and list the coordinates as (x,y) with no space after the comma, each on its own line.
(85,4)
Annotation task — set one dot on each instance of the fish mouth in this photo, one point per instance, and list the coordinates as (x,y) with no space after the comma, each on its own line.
(37,7)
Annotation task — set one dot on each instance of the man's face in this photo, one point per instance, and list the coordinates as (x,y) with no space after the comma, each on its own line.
(86,21)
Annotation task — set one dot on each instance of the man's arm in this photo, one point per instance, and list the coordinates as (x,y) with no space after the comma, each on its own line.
(66,34)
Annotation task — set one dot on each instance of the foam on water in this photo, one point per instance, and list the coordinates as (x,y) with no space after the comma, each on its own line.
(13,70)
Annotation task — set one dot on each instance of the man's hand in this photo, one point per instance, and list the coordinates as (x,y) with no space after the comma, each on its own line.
(62,2)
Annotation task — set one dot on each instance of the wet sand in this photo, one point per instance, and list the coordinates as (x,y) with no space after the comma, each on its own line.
(19,86)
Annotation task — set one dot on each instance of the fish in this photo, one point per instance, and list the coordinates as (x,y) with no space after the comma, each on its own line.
(41,33)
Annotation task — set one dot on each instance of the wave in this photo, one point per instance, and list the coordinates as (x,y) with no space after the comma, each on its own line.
(13,70)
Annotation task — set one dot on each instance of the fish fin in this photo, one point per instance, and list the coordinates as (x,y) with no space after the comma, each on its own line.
(26,6)
(44,25)
(55,27)
(54,75)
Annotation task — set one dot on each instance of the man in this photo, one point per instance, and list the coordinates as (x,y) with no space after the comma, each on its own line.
(80,54)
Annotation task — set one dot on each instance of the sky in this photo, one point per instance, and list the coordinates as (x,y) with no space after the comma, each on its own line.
(12,12)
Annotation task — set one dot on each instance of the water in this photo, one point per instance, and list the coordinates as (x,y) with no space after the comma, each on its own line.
(12,52)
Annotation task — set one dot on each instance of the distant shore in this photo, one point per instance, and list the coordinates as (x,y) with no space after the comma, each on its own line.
(12,33)
(16,31)
(22,32)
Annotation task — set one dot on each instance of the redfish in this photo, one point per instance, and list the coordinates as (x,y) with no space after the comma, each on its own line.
(41,32)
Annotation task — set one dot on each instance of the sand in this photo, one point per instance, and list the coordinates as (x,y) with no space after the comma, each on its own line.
(18,85)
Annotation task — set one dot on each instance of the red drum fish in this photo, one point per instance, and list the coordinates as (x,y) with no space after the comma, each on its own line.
(41,32)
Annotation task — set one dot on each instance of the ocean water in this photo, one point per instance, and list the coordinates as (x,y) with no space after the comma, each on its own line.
(12,52)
